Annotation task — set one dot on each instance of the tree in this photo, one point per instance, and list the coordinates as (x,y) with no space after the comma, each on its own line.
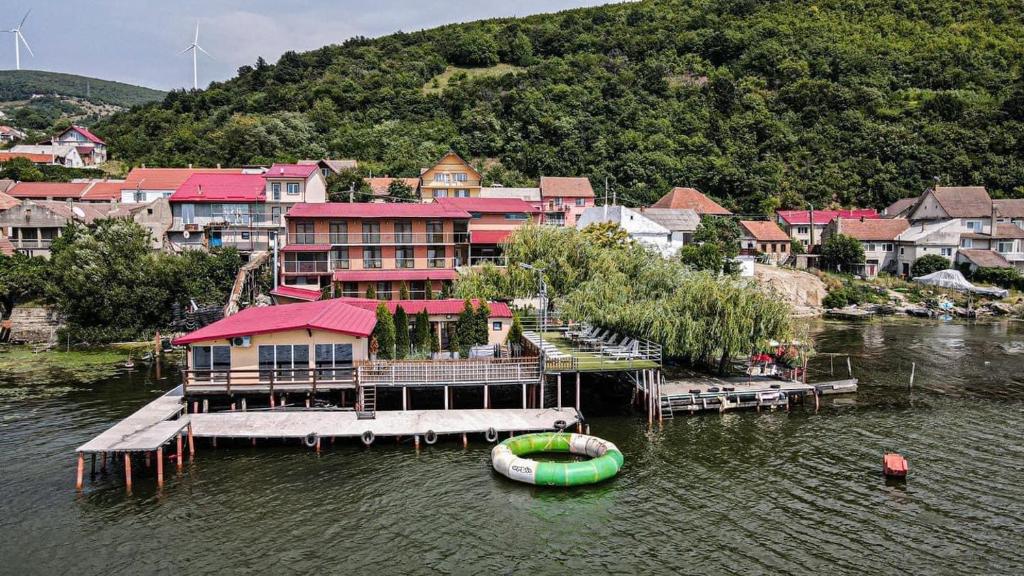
(606,234)
(371,292)
(515,332)
(398,189)
(22,279)
(348,184)
(435,342)
(841,252)
(422,332)
(475,48)
(428,290)
(403,291)
(401,333)
(796,247)
(724,234)
(21,170)
(482,323)
(927,264)
(384,332)
(702,257)
(466,329)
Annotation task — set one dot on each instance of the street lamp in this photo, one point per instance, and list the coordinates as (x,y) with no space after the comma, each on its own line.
(542,294)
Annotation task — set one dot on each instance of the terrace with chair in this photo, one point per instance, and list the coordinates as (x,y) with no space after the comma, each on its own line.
(587,348)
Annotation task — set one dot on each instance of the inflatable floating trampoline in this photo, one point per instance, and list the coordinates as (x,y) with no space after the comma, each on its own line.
(605,461)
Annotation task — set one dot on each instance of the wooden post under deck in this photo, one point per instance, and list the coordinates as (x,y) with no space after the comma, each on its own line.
(191,444)
(542,379)
(180,459)
(577,392)
(128,471)
(558,401)
(80,479)
(160,466)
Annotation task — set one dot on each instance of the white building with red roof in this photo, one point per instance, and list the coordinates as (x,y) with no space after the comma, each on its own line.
(213,210)
(90,147)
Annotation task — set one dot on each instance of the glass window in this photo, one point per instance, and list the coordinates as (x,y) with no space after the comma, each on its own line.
(304,233)
(558,201)
(462,193)
(339,231)
(1005,247)
(339,258)
(331,357)
(496,326)
(802,230)
(581,201)
(439,177)
(275,190)
(403,232)
(384,290)
(946,251)
(435,257)
(404,257)
(440,193)
(966,243)
(435,232)
(516,216)
(350,289)
(371,232)
(461,177)
(371,257)
(293,188)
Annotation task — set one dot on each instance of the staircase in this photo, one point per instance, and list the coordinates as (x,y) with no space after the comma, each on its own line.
(246,281)
(367,408)
(666,407)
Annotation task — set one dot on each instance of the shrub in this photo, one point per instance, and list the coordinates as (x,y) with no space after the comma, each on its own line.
(836,299)
(927,264)
(841,252)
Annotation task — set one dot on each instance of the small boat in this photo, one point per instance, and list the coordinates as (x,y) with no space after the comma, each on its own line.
(894,465)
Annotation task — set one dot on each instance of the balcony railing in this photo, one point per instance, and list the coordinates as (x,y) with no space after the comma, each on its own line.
(500,261)
(333,264)
(449,372)
(267,380)
(226,221)
(380,239)
(295,267)
(33,243)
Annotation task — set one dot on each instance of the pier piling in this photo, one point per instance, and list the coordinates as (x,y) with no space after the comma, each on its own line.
(160,467)
(80,481)
(128,471)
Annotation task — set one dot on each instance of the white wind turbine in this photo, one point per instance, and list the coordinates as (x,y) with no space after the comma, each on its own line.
(19,39)
(195,48)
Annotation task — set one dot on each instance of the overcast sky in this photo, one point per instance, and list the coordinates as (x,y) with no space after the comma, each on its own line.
(139,41)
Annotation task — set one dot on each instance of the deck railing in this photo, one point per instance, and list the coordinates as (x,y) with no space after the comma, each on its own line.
(267,380)
(475,371)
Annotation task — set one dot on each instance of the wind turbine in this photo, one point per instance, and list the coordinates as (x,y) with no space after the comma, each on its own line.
(17,45)
(195,48)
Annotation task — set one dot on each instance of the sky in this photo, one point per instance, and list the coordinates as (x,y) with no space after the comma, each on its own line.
(140,41)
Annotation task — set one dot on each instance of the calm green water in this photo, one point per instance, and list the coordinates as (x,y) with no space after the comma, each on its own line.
(742,493)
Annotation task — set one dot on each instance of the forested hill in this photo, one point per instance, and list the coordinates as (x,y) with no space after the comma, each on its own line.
(23,84)
(759,103)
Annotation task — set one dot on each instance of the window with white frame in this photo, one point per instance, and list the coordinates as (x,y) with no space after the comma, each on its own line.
(440,193)
(293,188)
(333,361)
(947,252)
(275,190)
(496,326)
(461,177)
(1005,246)
(966,243)
(974,225)
(462,193)
(284,361)
(581,201)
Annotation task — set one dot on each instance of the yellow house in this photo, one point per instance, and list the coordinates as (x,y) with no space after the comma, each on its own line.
(450,177)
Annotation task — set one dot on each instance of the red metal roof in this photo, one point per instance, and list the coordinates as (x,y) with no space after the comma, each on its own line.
(221,188)
(488,236)
(49,189)
(167,178)
(88,135)
(375,210)
(330,315)
(385,275)
(291,171)
(792,217)
(433,307)
(307,248)
(297,293)
(490,205)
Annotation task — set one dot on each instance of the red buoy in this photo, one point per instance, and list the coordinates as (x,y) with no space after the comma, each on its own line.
(894,465)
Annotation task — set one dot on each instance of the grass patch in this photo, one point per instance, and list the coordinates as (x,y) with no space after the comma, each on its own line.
(80,365)
(438,83)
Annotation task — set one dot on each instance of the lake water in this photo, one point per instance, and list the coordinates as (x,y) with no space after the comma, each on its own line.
(740,493)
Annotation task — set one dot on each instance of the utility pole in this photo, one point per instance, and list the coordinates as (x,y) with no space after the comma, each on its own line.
(811,245)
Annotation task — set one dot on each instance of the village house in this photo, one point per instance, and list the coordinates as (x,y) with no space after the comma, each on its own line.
(764,239)
(143,185)
(797,223)
(450,177)
(922,238)
(33,225)
(6,184)
(215,210)
(49,190)
(330,167)
(531,195)
(691,199)
(879,237)
(564,199)
(381,187)
(37,158)
(1006,211)
(9,134)
(290,184)
(349,247)
(155,216)
(663,229)
(900,208)
(92,150)
(491,222)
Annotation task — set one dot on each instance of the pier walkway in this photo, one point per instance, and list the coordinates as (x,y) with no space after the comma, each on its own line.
(145,430)
(699,392)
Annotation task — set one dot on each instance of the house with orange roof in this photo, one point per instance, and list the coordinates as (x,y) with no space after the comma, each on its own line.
(692,199)
(565,198)
(37,158)
(880,238)
(380,187)
(764,239)
(450,177)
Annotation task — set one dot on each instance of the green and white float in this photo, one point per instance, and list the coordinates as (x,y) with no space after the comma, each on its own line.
(605,461)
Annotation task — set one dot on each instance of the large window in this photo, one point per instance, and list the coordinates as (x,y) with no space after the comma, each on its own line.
(275,190)
(581,201)
(462,193)
(304,233)
(208,359)
(371,232)
(440,193)
(435,232)
(435,257)
(285,362)
(333,361)
(1005,246)
(404,257)
(371,257)
(339,259)
(339,232)
(516,216)
(974,225)
(403,232)
(461,177)
(384,290)
(350,289)
(293,188)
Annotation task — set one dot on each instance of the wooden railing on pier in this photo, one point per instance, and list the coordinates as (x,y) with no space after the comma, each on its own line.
(476,371)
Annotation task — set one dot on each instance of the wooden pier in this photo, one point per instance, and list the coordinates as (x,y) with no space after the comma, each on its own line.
(697,393)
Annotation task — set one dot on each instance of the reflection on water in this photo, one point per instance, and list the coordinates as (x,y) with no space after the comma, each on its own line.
(736,493)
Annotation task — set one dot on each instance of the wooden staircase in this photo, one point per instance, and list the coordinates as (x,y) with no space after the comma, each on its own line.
(246,281)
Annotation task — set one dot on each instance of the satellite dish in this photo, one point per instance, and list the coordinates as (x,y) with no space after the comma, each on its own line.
(185,234)
(78,212)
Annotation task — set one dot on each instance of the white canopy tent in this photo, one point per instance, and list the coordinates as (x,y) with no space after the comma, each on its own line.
(954,280)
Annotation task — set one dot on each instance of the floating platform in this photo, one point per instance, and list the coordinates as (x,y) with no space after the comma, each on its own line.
(347,424)
(699,393)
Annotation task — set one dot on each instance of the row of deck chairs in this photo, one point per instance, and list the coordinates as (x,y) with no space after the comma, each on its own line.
(549,349)
(607,342)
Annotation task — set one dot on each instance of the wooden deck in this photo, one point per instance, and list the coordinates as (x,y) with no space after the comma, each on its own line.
(579,360)
(697,393)
(346,424)
(145,430)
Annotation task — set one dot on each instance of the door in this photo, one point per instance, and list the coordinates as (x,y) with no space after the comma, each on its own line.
(215,239)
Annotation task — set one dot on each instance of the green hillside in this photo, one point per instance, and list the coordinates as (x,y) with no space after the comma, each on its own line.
(22,84)
(760,103)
